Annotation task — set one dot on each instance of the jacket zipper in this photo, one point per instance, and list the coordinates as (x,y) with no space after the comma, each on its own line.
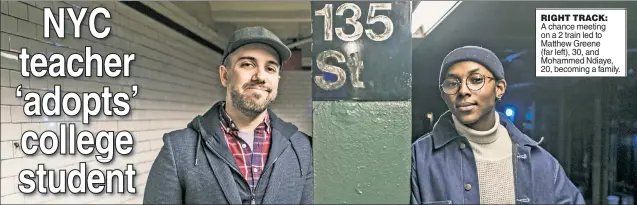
(252,194)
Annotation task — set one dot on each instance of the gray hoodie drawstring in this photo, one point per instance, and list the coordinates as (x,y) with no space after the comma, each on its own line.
(197,150)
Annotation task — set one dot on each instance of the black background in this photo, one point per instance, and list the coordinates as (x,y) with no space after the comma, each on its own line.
(387,64)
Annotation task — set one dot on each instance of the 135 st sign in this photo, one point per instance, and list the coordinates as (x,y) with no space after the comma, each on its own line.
(367,44)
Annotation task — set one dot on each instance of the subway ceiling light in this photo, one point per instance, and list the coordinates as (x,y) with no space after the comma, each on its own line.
(428,14)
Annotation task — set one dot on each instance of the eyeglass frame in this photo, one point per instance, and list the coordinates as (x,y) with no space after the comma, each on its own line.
(466,84)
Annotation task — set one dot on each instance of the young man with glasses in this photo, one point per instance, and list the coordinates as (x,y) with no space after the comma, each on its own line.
(474,153)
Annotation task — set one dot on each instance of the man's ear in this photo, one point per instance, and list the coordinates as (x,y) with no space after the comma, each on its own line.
(223,75)
(500,88)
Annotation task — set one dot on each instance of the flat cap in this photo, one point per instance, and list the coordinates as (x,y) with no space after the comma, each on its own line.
(257,34)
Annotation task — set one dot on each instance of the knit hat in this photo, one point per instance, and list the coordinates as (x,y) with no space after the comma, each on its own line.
(473,53)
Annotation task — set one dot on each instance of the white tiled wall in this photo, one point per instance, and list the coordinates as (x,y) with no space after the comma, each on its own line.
(177,80)
(294,102)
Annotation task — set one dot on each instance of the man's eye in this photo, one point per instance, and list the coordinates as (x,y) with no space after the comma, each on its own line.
(246,64)
(477,80)
(453,83)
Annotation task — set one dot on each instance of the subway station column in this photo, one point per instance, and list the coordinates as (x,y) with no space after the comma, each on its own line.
(361,93)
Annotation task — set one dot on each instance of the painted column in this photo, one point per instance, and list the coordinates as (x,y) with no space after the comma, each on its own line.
(361,78)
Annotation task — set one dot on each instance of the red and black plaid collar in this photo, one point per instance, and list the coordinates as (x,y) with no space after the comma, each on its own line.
(230,127)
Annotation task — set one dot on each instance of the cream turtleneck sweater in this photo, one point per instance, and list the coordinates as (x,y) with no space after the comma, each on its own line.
(493,151)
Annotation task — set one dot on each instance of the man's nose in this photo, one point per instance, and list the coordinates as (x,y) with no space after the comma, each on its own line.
(464,89)
(259,74)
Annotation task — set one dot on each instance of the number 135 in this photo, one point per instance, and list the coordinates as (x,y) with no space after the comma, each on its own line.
(326,12)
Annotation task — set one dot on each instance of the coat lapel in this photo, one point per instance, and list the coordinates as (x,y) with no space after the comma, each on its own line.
(223,173)
(279,174)
(215,139)
(220,158)
(280,139)
(522,165)
(523,172)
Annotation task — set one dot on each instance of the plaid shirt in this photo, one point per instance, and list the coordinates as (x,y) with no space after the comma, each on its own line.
(251,162)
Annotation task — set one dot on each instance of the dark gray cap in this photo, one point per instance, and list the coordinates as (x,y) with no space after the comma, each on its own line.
(256,34)
(476,54)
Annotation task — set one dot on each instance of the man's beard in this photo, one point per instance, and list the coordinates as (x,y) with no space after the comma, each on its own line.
(249,107)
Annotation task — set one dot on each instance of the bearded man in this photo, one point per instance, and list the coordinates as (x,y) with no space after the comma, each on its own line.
(239,151)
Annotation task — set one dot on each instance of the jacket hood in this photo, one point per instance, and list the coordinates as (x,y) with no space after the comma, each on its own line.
(208,127)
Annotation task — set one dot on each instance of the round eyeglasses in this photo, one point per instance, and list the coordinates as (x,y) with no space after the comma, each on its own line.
(474,82)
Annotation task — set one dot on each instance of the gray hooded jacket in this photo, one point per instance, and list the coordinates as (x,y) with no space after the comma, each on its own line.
(195,166)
